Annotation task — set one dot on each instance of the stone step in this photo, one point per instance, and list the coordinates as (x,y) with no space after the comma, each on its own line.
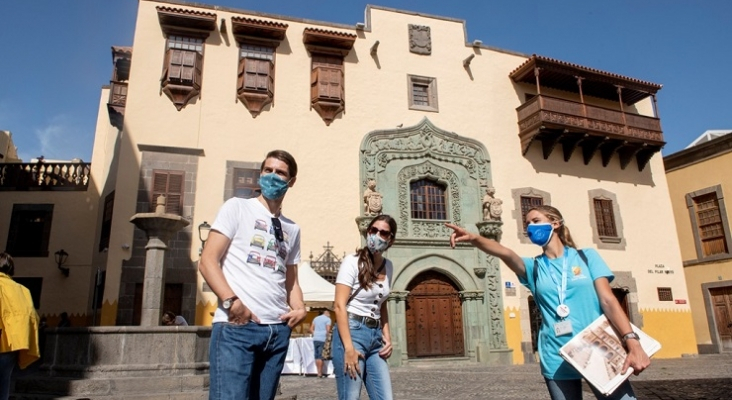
(184,385)
(440,362)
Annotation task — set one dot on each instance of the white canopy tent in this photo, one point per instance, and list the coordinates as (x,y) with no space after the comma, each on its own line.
(316,291)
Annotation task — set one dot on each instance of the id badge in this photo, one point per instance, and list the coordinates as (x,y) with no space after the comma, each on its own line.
(563,328)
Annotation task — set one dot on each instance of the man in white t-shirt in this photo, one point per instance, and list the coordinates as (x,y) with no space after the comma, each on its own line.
(250,262)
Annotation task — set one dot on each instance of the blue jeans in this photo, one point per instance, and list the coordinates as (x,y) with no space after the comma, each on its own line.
(8,361)
(246,360)
(572,390)
(374,369)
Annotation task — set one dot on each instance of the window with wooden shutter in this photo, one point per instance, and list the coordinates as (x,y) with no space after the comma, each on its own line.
(428,199)
(255,80)
(605,218)
(710,225)
(182,69)
(327,89)
(246,183)
(527,203)
(170,184)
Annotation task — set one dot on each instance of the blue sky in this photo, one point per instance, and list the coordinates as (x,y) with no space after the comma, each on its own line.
(55,54)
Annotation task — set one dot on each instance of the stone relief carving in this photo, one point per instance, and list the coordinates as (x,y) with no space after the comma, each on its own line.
(420,39)
(492,207)
(425,228)
(398,296)
(423,141)
(471,295)
(372,200)
(480,272)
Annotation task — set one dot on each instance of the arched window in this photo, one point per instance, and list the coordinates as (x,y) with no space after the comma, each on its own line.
(428,199)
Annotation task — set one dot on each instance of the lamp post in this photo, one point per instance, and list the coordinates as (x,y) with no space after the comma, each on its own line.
(61,257)
(203,230)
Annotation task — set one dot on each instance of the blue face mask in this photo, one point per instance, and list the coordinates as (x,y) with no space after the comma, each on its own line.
(273,187)
(540,234)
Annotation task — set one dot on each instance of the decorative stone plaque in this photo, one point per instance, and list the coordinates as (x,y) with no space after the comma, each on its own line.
(420,40)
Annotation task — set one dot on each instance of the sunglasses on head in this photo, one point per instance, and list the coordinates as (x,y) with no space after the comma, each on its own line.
(278,229)
(386,235)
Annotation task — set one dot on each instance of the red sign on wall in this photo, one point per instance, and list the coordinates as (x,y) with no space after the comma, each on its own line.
(680,301)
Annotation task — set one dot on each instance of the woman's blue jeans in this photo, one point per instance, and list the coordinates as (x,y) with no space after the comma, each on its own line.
(7,364)
(246,360)
(572,390)
(374,369)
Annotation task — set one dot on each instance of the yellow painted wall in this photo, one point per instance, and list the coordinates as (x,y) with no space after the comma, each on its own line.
(512,319)
(109,313)
(673,329)
(204,310)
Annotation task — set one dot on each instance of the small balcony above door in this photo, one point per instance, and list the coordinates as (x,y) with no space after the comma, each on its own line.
(553,121)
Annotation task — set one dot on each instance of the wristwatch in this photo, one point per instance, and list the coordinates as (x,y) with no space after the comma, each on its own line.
(631,335)
(229,302)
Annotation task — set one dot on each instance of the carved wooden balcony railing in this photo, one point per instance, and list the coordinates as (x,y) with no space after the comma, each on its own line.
(572,124)
(45,176)
(117,103)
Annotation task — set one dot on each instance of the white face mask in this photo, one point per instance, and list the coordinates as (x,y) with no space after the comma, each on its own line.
(376,243)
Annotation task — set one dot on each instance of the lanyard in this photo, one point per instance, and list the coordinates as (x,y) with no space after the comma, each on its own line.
(562,289)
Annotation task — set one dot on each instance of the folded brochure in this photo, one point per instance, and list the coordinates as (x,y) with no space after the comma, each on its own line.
(598,354)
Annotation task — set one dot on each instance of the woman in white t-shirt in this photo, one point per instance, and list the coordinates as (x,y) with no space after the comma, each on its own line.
(361,339)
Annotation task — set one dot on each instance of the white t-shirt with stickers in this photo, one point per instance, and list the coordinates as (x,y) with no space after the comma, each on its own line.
(255,263)
(367,302)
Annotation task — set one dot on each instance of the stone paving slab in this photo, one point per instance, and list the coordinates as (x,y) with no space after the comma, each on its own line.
(700,377)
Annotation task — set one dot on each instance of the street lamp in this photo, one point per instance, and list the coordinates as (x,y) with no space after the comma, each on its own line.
(61,257)
(203,231)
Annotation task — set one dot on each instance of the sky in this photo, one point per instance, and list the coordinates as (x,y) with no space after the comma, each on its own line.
(55,55)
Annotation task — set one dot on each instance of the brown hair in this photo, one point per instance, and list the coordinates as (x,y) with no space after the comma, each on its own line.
(7,266)
(168,318)
(367,271)
(555,216)
(286,158)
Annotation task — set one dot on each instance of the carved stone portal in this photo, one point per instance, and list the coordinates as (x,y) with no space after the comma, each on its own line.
(420,39)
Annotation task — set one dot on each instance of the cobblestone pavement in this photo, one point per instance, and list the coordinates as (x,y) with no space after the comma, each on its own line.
(699,377)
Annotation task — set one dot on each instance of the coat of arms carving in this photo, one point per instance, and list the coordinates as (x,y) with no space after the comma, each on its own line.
(420,40)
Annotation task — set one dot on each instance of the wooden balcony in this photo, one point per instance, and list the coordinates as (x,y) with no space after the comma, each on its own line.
(117,103)
(554,121)
(44,176)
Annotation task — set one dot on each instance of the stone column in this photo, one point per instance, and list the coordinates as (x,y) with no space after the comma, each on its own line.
(397,306)
(498,351)
(159,227)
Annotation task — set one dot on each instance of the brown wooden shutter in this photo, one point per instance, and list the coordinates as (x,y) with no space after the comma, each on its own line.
(198,70)
(240,84)
(170,184)
(176,64)
(188,66)
(166,65)
(314,84)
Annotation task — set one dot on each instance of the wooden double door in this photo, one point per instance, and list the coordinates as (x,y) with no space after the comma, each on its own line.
(722,304)
(434,317)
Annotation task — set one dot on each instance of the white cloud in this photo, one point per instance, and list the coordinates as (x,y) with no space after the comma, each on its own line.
(60,139)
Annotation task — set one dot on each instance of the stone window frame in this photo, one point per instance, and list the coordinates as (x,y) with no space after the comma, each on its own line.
(431,85)
(606,242)
(229,180)
(717,190)
(516,194)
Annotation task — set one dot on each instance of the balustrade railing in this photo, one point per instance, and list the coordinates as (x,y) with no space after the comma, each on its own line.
(45,176)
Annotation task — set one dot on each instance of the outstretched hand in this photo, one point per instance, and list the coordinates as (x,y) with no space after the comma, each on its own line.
(459,234)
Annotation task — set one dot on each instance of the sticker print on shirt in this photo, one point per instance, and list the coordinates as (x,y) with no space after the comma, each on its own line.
(270,262)
(260,225)
(281,268)
(257,240)
(254,258)
(272,245)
